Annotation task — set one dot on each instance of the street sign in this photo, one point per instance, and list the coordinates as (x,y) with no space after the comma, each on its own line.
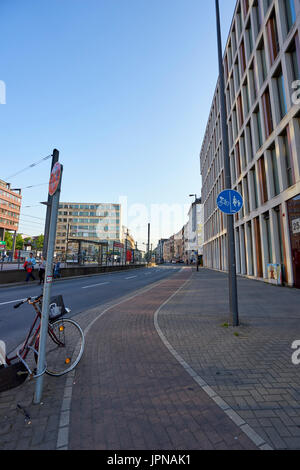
(54,178)
(3,243)
(230,202)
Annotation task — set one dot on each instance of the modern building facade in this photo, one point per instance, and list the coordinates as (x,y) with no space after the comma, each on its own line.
(90,222)
(10,207)
(262,82)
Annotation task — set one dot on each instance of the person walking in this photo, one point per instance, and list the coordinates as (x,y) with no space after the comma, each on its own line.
(57,270)
(42,268)
(29,267)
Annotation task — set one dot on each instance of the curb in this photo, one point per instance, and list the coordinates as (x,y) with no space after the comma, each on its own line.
(233,415)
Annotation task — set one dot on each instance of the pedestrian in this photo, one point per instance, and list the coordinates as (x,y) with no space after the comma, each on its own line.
(29,267)
(56,270)
(42,268)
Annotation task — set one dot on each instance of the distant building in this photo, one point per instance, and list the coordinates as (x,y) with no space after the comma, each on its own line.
(10,208)
(159,251)
(193,232)
(87,222)
(187,244)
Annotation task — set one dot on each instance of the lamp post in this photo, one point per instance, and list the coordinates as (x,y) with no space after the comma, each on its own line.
(233,301)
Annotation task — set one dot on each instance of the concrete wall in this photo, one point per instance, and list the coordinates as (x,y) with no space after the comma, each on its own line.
(9,277)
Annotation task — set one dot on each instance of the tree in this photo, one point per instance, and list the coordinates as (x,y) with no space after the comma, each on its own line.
(9,240)
(38,242)
(19,242)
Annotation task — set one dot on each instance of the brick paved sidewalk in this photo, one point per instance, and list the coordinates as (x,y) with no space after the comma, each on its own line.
(132,394)
(129,391)
(42,430)
(252,371)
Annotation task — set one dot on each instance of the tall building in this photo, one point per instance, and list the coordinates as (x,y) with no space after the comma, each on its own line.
(262,73)
(10,207)
(193,246)
(87,222)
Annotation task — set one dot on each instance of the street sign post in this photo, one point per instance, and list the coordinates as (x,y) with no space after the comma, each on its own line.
(232,280)
(230,202)
(54,191)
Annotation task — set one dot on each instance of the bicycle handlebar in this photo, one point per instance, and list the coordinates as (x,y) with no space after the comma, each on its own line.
(20,303)
(34,299)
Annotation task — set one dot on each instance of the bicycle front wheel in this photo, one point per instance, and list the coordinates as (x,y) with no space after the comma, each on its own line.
(65,345)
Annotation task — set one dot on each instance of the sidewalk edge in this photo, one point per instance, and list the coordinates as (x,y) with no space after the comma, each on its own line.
(230,412)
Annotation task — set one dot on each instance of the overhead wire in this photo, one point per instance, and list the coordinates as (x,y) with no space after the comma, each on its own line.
(28,167)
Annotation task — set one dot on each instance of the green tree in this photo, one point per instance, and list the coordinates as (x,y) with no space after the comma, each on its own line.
(19,242)
(9,240)
(38,243)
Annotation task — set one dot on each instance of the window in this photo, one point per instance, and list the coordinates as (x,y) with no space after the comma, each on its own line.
(280,93)
(290,13)
(245,7)
(267,113)
(262,180)
(242,57)
(238,160)
(240,111)
(295,58)
(274,171)
(255,194)
(279,230)
(272,38)
(261,62)
(269,254)
(288,157)
(257,128)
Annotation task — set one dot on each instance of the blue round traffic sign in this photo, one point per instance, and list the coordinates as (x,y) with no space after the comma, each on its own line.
(230,202)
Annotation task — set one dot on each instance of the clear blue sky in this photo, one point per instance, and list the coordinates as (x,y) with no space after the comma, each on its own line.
(122,88)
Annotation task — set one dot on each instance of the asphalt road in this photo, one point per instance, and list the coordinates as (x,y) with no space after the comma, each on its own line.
(79,294)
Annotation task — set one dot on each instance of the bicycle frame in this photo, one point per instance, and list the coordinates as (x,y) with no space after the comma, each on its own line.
(23,352)
(32,340)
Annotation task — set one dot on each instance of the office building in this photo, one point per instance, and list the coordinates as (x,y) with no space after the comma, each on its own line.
(87,222)
(262,87)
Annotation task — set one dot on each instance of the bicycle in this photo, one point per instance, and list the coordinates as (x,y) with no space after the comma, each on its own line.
(64,348)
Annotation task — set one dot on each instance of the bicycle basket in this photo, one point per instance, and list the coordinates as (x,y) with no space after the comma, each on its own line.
(56,308)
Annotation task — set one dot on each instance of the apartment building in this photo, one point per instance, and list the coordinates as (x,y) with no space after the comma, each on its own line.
(10,207)
(262,73)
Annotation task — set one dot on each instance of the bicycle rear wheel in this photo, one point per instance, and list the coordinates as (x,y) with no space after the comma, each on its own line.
(64,348)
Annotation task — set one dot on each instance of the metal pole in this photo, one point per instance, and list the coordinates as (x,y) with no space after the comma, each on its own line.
(125,257)
(47,294)
(233,299)
(148,248)
(55,157)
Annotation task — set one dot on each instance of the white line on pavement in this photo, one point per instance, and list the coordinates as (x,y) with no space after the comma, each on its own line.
(131,277)
(11,301)
(95,285)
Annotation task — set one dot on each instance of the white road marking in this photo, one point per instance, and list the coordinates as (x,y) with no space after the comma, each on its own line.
(95,285)
(131,277)
(11,301)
